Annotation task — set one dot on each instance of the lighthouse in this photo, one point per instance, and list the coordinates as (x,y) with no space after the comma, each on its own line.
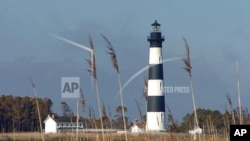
(155,99)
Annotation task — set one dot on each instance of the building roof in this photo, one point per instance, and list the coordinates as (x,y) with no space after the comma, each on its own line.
(64,119)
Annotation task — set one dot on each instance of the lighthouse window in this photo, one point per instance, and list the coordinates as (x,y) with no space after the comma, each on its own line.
(155,29)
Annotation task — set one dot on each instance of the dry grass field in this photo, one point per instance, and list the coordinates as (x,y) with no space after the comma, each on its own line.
(108,137)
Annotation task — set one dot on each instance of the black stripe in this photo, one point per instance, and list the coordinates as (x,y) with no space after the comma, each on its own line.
(155,39)
(155,72)
(155,43)
(156,104)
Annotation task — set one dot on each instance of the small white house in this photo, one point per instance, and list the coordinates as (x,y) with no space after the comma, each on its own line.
(61,123)
(196,130)
(136,128)
(50,125)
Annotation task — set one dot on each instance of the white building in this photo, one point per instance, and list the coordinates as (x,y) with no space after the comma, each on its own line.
(137,127)
(196,130)
(54,125)
(50,125)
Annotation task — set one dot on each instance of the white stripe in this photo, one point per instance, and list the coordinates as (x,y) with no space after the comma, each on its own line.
(155,87)
(155,121)
(155,56)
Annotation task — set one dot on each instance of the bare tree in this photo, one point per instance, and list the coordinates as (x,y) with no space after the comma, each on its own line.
(66,110)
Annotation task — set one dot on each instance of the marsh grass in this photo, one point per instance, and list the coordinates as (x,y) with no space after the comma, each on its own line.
(35,136)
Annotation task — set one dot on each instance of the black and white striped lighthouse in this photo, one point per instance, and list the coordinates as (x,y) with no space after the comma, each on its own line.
(155,100)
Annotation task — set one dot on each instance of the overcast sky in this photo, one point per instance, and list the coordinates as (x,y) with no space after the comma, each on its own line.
(217,32)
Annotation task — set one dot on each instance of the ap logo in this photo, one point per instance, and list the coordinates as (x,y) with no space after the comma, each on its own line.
(70,87)
(239,132)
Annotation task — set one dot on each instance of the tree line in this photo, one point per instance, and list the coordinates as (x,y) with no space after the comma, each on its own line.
(211,121)
(20,113)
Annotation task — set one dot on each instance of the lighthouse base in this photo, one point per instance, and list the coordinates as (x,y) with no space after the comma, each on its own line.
(155,122)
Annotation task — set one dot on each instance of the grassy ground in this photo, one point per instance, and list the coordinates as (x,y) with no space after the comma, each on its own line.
(108,137)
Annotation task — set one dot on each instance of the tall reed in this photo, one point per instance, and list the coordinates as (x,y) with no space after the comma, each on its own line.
(145,93)
(92,71)
(238,90)
(112,54)
(226,122)
(229,100)
(188,68)
(145,89)
(38,109)
(139,110)
(83,104)
(171,120)
(145,96)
